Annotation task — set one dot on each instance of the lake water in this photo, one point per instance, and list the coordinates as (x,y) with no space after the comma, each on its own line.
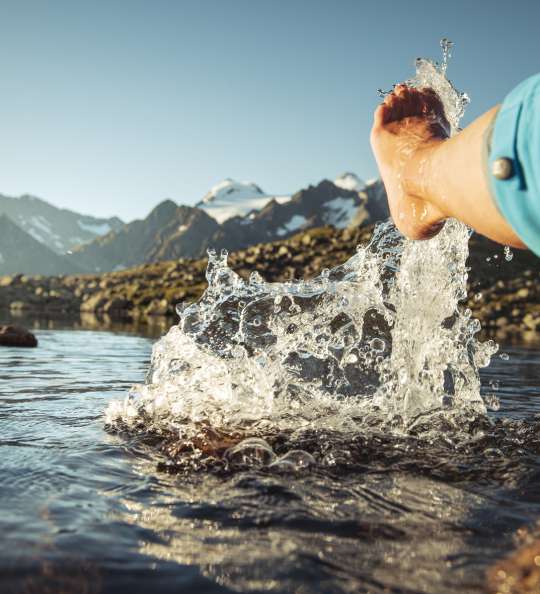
(85,511)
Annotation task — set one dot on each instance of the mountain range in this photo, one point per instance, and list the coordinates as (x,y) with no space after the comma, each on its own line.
(233,215)
(20,252)
(59,229)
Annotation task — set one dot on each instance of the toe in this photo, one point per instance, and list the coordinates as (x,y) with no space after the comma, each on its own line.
(404,102)
(393,105)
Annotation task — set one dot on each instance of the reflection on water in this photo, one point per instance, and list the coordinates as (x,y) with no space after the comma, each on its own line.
(85,511)
(151,326)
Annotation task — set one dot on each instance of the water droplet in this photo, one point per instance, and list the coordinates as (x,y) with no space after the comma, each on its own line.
(478,297)
(492,402)
(508,254)
(446,46)
(351,359)
(504,356)
(255,278)
(494,384)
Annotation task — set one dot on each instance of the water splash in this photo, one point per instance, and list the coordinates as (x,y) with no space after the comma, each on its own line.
(381,336)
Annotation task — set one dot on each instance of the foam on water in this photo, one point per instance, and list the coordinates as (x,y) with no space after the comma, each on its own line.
(381,336)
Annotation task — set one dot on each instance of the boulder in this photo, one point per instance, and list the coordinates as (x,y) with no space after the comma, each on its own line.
(17,336)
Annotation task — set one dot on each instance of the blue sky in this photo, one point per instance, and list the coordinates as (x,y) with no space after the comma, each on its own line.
(108,107)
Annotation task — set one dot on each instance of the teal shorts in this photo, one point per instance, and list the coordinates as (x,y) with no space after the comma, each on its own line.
(514,161)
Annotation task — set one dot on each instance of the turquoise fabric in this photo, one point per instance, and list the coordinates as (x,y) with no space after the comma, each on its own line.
(516,135)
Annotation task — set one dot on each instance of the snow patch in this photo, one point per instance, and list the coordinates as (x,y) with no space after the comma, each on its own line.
(295,223)
(95,228)
(41,223)
(340,212)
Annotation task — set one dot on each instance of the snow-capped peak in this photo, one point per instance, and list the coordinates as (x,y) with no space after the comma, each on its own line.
(231,198)
(230,190)
(349,181)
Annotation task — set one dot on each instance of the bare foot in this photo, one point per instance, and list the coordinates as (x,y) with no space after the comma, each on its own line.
(406,127)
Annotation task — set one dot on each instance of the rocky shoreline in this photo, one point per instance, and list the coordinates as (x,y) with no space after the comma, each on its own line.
(504,293)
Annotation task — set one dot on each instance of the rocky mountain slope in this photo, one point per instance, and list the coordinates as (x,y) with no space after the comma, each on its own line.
(57,228)
(21,252)
(169,231)
(172,231)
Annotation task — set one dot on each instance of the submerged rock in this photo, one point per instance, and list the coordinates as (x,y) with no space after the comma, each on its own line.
(17,336)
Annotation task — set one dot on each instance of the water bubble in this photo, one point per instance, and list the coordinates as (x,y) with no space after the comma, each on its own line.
(238,352)
(403,376)
(508,254)
(294,460)
(494,384)
(377,344)
(504,356)
(252,451)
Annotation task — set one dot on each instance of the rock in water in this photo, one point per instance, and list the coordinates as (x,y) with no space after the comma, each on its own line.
(17,336)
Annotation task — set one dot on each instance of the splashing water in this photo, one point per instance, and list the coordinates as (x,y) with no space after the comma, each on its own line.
(381,336)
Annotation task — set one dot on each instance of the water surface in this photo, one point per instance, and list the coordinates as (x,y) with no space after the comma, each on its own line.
(82,510)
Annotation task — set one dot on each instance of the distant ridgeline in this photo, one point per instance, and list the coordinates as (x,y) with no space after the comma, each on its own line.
(38,238)
(35,236)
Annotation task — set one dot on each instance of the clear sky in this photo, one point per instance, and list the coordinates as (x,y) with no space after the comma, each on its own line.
(109,106)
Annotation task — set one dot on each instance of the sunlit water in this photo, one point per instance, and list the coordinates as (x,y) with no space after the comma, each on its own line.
(86,511)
